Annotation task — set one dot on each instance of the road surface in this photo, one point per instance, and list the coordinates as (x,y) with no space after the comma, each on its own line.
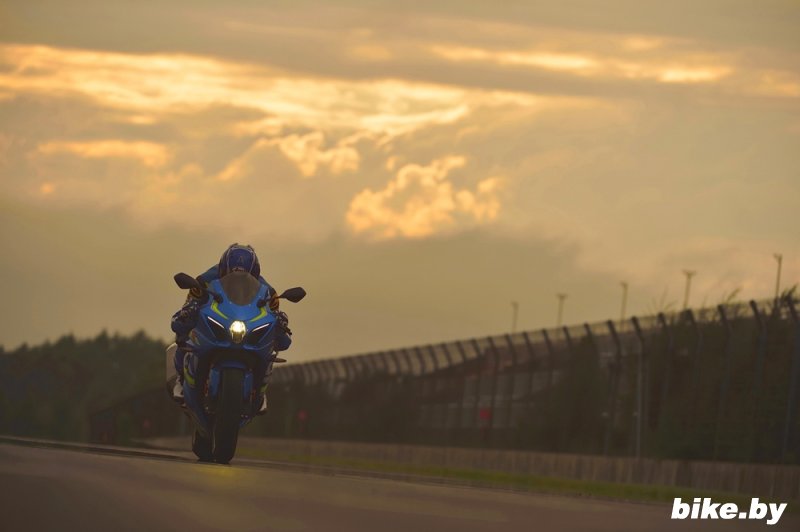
(62,490)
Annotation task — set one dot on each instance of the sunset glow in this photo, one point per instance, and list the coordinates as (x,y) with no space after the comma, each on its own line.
(533,147)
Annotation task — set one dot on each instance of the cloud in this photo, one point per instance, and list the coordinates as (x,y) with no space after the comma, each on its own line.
(680,69)
(148,153)
(358,141)
(421,201)
(306,151)
(148,85)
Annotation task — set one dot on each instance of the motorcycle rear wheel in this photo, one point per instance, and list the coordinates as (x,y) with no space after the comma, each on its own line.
(228,416)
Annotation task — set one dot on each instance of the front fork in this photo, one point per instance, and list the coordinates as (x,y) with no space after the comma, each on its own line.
(205,400)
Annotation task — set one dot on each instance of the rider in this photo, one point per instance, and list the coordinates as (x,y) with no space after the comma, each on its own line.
(236,258)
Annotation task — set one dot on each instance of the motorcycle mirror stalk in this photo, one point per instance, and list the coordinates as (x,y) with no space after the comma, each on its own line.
(187,282)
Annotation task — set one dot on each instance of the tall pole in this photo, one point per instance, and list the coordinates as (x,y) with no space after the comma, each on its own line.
(689,274)
(515,312)
(561,298)
(624,301)
(779,258)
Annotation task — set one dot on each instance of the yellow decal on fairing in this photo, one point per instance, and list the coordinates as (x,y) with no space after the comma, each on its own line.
(215,308)
(261,315)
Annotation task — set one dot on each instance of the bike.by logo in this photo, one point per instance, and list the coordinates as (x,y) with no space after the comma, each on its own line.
(705,509)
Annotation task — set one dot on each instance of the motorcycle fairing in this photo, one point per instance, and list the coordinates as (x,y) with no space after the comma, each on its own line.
(210,345)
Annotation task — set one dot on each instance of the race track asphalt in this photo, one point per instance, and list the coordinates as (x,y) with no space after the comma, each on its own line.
(57,490)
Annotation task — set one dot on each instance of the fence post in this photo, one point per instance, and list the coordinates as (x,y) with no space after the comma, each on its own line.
(355,363)
(759,370)
(533,364)
(370,362)
(568,338)
(595,349)
(451,382)
(385,362)
(422,366)
(698,344)
(641,387)
(323,372)
(670,350)
(463,379)
(308,373)
(303,367)
(512,377)
(478,382)
(317,368)
(320,368)
(396,361)
(723,387)
(330,375)
(333,365)
(277,376)
(349,371)
(616,367)
(407,358)
(424,384)
(551,363)
(793,378)
(493,393)
(440,382)
(296,373)
(365,365)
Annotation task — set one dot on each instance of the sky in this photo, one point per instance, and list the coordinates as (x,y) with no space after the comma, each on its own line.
(416,166)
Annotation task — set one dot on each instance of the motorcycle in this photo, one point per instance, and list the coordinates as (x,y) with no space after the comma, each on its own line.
(231,346)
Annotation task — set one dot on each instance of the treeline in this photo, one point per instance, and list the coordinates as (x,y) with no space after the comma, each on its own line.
(48,391)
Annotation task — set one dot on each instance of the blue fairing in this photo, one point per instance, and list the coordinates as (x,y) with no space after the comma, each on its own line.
(211,346)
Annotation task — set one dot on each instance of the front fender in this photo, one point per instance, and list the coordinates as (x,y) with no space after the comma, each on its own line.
(215,377)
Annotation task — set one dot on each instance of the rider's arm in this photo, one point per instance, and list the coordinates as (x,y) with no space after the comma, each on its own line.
(204,278)
(274,302)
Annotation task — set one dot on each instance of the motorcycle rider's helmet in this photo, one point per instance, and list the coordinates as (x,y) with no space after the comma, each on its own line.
(239,258)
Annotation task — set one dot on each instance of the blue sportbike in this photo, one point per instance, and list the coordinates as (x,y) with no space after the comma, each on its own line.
(228,351)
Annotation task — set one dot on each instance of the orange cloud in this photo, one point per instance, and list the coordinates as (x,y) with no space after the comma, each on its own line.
(148,153)
(149,85)
(421,201)
(547,60)
(685,69)
(306,151)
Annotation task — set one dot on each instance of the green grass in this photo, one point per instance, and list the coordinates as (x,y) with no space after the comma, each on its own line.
(556,486)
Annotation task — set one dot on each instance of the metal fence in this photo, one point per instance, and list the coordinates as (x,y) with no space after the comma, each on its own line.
(718,383)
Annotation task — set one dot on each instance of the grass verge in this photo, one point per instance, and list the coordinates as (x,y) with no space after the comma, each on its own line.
(531,483)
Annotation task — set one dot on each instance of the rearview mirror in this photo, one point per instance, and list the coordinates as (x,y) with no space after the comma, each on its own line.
(186,281)
(293,294)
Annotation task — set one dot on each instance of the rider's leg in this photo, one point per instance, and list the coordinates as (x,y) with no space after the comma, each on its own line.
(262,391)
(177,389)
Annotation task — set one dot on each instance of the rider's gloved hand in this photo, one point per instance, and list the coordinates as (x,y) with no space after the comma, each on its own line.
(188,314)
(283,321)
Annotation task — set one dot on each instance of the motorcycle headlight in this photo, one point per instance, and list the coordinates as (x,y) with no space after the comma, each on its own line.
(238,330)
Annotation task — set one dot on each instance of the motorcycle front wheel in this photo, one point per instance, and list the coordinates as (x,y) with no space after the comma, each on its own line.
(228,416)
(201,446)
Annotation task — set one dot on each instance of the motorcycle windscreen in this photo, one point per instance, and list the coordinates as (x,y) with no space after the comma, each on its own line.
(240,287)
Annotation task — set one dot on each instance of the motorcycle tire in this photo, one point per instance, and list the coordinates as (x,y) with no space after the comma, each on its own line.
(201,447)
(228,416)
